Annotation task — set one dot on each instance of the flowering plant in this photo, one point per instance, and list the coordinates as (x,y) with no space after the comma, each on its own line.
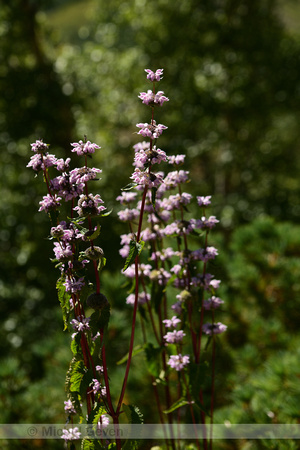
(163,261)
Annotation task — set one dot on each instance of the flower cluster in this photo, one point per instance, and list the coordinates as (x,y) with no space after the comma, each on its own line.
(166,221)
(74,248)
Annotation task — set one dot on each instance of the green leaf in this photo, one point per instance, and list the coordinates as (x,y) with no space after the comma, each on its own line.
(75,345)
(86,381)
(107,213)
(64,300)
(99,319)
(152,358)
(87,444)
(138,349)
(134,251)
(76,375)
(157,292)
(178,404)
(129,186)
(153,196)
(133,414)
(94,235)
(101,264)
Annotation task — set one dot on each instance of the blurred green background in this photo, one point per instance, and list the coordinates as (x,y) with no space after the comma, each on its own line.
(231,71)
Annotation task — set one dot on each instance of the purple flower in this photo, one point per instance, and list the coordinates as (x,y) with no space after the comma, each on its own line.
(164,254)
(146,178)
(83,175)
(103,422)
(39,147)
(62,165)
(175,201)
(62,252)
(69,407)
(72,285)
(173,337)
(88,205)
(143,298)
(213,328)
(84,148)
(146,158)
(49,202)
(126,197)
(204,254)
(150,98)
(176,159)
(81,323)
(128,215)
(40,162)
(175,178)
(208,223)
(71,434)
(178,362)
(204,201)
(170,323)
(154,76)
(152,130)
(212,303)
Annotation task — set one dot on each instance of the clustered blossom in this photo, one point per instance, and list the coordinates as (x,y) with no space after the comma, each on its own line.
(69,407)
(81,323)
(214,328)
(154,76)
(71,434)
(178,362)
(165,214)
(151,130)
(151,98)
(84,148)
(49,203)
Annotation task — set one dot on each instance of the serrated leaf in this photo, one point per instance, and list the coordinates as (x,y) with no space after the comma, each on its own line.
(129,186)
(133,414)
(75,345)
(138,349)
(64,300)
(178,404)
(86,381)
(99,319)
(87,444)
(77,370)
(135,249)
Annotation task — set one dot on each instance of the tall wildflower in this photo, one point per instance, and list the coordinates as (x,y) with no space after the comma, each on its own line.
(176,257)
(167,259)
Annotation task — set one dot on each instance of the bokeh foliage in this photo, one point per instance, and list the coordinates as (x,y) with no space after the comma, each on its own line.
(231,73)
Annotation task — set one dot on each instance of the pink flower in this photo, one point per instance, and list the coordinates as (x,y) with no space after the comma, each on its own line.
(178,362)
(154,76)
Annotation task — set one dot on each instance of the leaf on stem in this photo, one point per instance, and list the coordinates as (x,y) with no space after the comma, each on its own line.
(178,404)
(64,300)
(134,251)
(152,358)
(129,186)
(138,349)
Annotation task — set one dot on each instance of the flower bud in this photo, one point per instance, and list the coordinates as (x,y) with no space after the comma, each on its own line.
(97,301)
(94,253)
